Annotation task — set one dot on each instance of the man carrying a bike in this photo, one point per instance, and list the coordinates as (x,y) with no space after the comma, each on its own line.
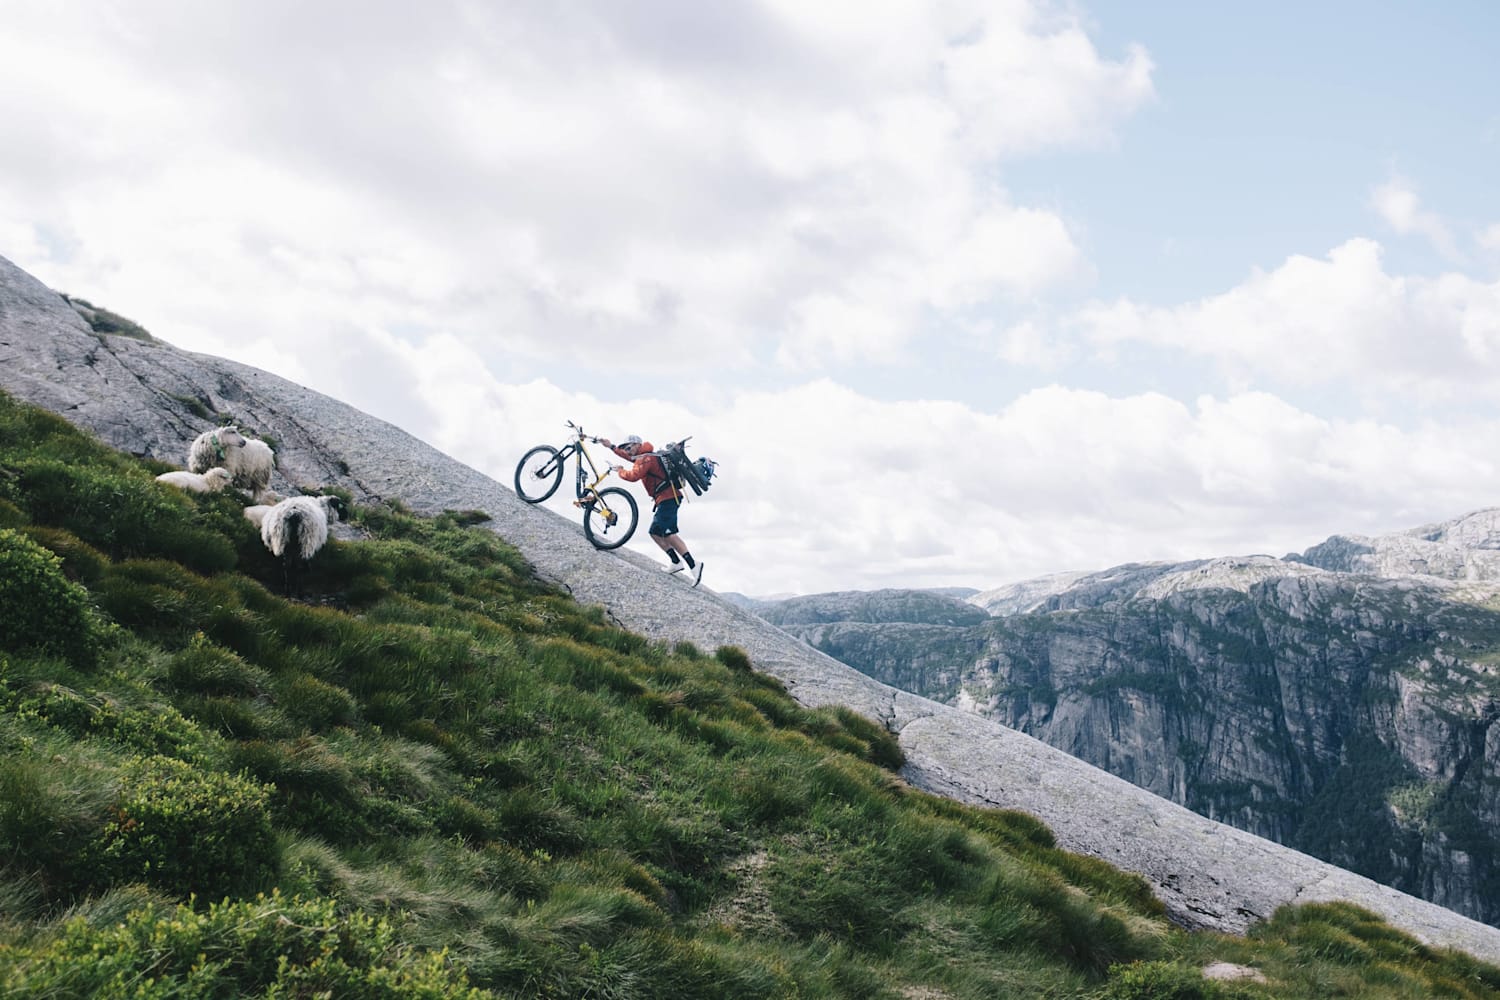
(648,470)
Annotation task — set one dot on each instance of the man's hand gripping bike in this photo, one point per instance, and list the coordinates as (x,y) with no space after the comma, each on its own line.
(609,515)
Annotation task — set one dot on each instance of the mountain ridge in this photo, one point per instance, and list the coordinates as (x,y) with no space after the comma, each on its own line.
(149,399)
(1282,695)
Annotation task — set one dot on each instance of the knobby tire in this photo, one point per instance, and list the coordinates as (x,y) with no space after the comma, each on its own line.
(539,473)
(596,525)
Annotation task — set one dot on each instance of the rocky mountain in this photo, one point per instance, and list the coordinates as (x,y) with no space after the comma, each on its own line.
(931,607)
(1343,701)
(147,398)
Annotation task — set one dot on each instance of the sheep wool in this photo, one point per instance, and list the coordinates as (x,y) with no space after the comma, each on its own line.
(211,481)
(249,461)
(212,448)
(294,530)
(256,461)
(297,527)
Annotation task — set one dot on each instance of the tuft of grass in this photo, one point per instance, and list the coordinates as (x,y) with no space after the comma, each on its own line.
(103,321)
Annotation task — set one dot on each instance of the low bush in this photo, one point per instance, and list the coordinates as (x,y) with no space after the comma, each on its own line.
(41,610)
(1158,981)
(122,514)
(186,831)
(268,946)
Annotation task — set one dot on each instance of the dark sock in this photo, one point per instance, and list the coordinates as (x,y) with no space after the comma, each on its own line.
(687,557)
(672,555)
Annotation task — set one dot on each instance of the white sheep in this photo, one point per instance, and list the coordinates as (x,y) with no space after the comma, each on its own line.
(295,529)
(212,481)
(254,474)
(212,448)
(248,460)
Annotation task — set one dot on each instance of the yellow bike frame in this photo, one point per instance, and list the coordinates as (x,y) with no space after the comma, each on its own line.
(587,493)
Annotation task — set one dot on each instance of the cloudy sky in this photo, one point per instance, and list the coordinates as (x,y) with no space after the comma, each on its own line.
(957,293)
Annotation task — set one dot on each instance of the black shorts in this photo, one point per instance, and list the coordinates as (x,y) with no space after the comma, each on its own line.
(664,521)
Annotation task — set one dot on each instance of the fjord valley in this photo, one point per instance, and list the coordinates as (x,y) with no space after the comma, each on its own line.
(1343,701)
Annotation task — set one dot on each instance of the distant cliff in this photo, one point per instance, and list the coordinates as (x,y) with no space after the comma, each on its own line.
(1343,701)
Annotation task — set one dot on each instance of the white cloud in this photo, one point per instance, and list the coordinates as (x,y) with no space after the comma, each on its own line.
(553,181)
(1342,319)
(1030,344)
(824,489)
(1489,238)
(1023,83)
(1399,205)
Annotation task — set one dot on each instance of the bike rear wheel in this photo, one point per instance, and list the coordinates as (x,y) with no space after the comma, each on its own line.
(610,520)
(539,473)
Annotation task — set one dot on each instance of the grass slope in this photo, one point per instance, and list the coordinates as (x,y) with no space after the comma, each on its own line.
(439,777)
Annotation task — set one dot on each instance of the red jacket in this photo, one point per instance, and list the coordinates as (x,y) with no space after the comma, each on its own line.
(649,471)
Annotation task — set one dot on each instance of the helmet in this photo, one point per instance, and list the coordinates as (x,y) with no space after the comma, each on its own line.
(633,439)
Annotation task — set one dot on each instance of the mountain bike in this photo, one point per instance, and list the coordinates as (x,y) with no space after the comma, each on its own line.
(609,515)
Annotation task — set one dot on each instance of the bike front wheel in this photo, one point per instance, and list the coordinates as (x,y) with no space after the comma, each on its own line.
(609,519)
(539,473)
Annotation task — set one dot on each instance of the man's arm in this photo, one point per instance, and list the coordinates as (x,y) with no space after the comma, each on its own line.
(617,449)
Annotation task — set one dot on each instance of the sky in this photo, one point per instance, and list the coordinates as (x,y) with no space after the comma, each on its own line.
(956,293)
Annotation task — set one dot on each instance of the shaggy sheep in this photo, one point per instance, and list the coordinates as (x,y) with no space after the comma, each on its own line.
(249,461)
(212,481)
(295,529)
(212,448)
(254,474)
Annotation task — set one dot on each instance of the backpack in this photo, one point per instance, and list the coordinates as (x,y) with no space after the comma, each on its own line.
(696,474)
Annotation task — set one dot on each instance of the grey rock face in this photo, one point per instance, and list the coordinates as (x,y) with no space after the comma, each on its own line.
(1027,595)
(1208,874)
(1466,548)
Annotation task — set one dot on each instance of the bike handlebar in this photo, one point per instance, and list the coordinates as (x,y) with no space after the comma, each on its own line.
(587,437)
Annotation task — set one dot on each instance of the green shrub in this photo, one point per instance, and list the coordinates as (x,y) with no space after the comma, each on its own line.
(151,729)
(1158,981)
(269,946)
(40,609)
(186,831)
(122,514)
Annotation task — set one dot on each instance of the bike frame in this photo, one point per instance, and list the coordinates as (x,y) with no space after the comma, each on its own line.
(586,493)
